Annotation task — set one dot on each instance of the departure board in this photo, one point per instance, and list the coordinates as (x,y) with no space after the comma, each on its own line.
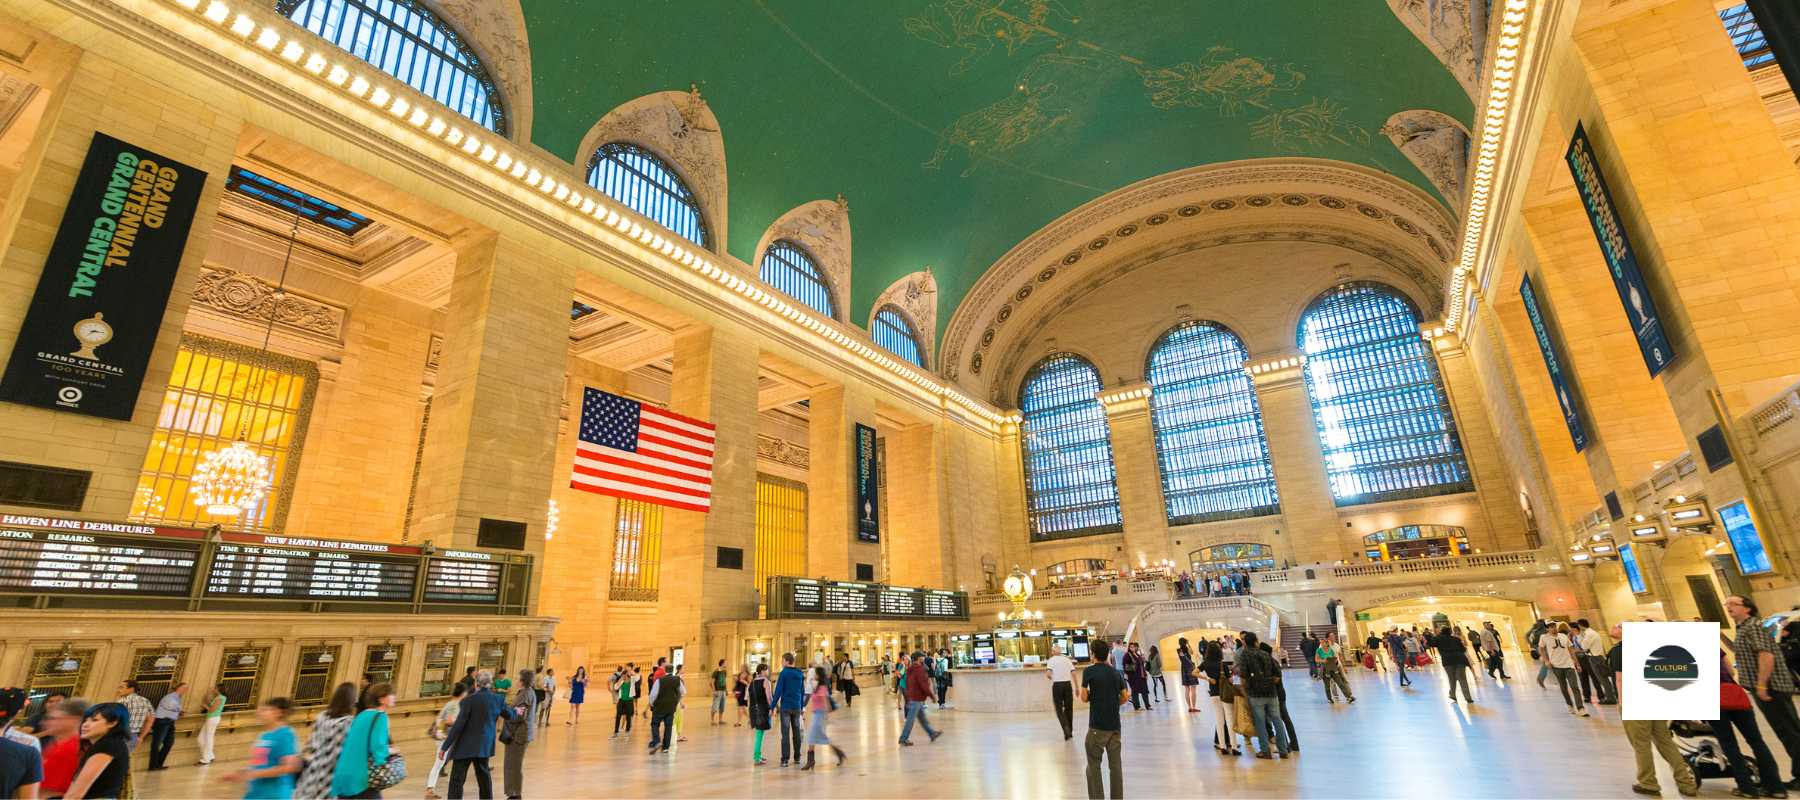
(462,578)
(36,561)
(273,572)
(807,597)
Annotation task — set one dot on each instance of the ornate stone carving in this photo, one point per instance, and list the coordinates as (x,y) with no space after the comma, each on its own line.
(15,95)
(681,129)
(434,353)
(495,30)
(251,298)
(1435,143)
(782,451)
(1454,30)
(916,296)
(822,227)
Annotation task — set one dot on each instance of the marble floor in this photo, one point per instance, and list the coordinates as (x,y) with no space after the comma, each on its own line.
(1516,741)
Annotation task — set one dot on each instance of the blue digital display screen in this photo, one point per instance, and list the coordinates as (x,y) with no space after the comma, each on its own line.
(1746,542)
(1560,382)
(1633,576)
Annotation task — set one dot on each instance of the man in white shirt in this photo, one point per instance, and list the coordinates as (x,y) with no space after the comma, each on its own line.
(1559,655)
(1060,670)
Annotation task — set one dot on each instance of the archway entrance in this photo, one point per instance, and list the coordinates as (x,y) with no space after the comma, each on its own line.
(1511,619)
(1234,557)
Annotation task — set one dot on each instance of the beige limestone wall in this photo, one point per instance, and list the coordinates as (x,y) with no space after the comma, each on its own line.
(129,100)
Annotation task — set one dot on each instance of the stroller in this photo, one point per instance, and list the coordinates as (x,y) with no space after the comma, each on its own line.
(1700,749)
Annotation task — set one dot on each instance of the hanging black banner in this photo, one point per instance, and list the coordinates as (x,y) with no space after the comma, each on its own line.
(868,504)
(100,300)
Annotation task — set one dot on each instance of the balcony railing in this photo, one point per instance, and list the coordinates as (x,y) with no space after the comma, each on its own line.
(1519,560)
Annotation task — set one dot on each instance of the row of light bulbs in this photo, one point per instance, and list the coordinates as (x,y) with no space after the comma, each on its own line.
(1500,92)
(320,59)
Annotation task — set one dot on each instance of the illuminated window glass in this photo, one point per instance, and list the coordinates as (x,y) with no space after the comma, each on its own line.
(780,528)
(216,391)
(1070,485)
(1209,431)
(787,267)
(1378,402)
(637,550)
(294,201)
(1746,35)
(648,185)
(896,335)
(404,39)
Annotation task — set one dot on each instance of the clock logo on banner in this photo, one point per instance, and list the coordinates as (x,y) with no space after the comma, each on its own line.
(91,333)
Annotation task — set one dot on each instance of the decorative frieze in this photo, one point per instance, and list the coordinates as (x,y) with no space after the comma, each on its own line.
(247,297)
(782,451)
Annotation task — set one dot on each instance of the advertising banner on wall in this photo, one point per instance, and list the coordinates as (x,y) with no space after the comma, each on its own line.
(91,326)
(1560,382)
(868,503)
(1621,260)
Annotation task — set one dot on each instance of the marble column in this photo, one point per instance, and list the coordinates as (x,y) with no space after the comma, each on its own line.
(715,380)
(1505,528)
(1138,475)
(491,446)
(832,549)
(1311,530)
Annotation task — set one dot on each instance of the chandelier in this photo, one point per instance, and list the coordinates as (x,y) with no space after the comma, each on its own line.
(229,482)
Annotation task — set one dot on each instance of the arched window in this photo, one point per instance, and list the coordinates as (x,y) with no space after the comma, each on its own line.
(1209,431)
(787,267)
(1377,399)
(648,185)
(1071,488)
(894,332)
(404,39)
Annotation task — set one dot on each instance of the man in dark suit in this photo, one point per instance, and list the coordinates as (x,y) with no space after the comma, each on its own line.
(471,738)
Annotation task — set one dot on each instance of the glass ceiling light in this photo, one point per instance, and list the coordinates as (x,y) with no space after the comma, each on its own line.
(231,481)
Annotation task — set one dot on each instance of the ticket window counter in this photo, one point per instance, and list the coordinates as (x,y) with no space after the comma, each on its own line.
(157,670)
(313,675)
(241,671)
(62,671)
(380,661)
(490,656)
(438,675)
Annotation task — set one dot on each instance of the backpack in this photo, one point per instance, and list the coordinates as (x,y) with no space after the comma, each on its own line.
(1259,679)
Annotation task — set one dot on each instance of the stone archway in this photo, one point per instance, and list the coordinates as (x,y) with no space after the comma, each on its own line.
(1511,617)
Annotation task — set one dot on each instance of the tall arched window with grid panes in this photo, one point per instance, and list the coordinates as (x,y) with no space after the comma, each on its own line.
(1378,400)
(789,268)
(405,39)
(1071,488)
(1209,431)
(896,334)
(647,184)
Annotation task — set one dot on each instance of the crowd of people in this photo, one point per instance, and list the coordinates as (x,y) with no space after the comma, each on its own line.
(71,747)
(1212,584)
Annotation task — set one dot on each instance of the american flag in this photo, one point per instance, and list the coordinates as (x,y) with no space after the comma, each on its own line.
(631,450)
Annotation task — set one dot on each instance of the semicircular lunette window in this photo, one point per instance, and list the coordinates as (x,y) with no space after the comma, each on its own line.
(894,332)
(1378,401)
(406,40)
(791,270)
(1209,431)
(648,185)
(1071,487)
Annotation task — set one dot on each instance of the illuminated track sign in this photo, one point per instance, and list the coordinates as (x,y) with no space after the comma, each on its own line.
(273,567)
(803,597)
(53,556)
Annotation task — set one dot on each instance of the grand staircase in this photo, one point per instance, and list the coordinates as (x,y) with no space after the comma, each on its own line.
(1290,640)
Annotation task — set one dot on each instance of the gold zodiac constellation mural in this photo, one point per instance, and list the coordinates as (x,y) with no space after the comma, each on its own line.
(1221,79)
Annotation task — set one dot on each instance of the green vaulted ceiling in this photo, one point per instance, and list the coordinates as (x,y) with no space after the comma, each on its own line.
(956,128)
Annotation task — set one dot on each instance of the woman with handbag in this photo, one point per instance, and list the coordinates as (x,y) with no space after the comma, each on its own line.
(516,734)
(1190,681)
(367,765)
(440,729)
(1219,688)
(760,691)
(324,744)
(1735,710)
(820,705)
